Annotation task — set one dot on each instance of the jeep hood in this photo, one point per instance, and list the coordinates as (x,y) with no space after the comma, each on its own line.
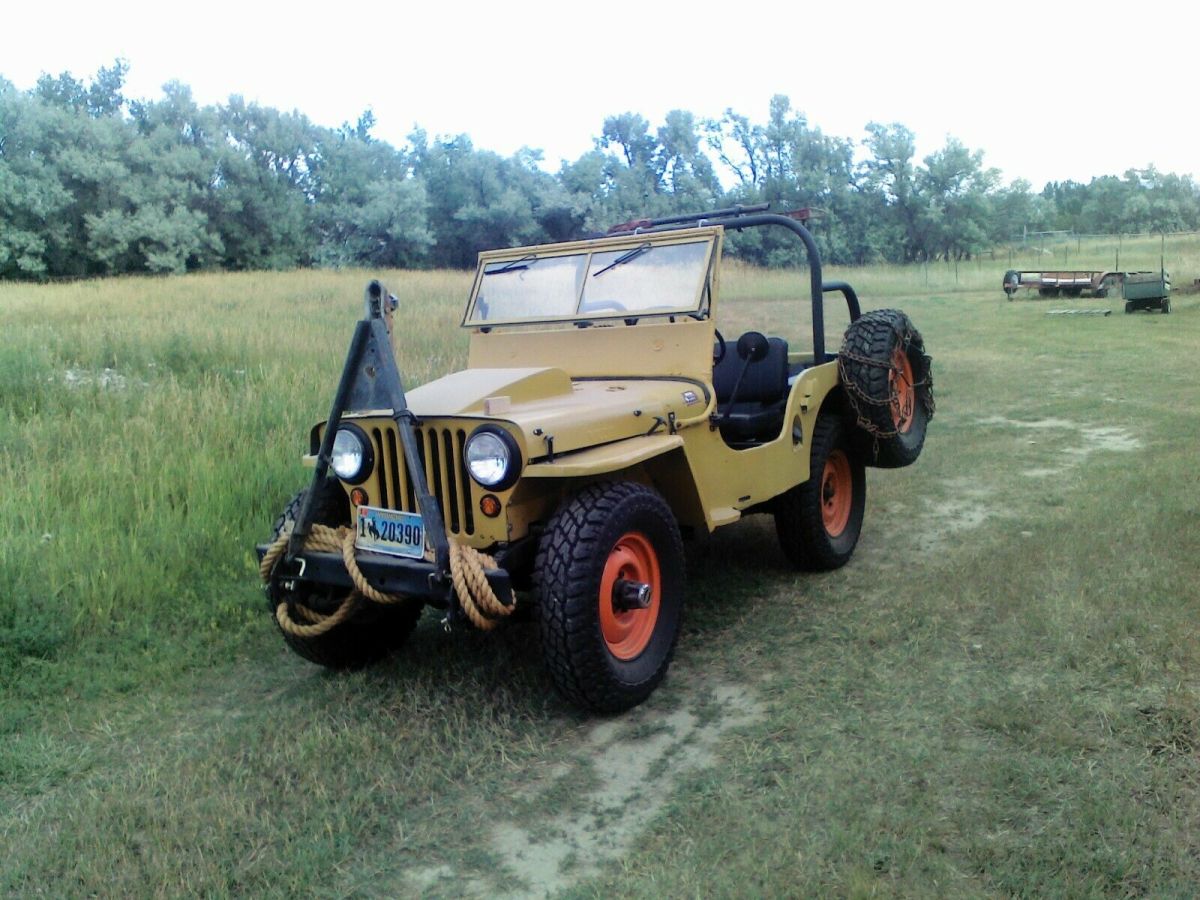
(546,403)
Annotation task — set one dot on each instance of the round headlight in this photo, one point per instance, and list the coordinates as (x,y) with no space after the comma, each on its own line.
(492,457)
(351,458)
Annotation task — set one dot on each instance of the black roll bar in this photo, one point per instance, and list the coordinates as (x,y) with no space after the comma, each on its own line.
(817,286)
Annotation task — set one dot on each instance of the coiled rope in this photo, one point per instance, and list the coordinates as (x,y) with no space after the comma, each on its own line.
(480,603)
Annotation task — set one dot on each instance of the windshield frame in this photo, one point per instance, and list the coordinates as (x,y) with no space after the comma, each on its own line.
(698,307)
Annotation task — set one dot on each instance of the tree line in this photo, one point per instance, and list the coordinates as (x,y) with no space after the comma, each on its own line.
(92,183)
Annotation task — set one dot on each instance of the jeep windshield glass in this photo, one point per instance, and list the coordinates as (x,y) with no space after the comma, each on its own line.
(645,279)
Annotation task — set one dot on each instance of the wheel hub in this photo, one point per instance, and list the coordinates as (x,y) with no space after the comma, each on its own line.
(628,595)
(837,493)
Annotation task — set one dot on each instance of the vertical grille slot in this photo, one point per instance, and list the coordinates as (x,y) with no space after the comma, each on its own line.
(453,512)
(433,469)
(396,470)
(386,466)
(460,438)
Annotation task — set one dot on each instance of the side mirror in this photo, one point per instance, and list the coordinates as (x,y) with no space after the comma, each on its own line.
(753,346)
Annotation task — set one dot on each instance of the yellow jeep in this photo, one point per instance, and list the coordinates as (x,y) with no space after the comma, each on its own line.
(600,416)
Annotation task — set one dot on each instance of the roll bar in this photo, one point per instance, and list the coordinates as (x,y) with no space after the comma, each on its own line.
(739,217)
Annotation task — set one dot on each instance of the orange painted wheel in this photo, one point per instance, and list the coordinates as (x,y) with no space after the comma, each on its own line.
(627,632)
(902,391)
(607,551)
(837,493)
(819,520)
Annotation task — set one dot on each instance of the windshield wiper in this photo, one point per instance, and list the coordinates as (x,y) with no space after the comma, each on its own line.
(625,257)
(523,263)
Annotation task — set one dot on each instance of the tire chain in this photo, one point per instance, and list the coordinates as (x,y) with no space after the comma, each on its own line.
(905,336)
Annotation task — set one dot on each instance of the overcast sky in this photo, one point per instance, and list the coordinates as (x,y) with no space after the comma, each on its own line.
(1047,90)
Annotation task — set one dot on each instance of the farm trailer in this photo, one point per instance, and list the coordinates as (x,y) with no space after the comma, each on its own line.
(1066,284)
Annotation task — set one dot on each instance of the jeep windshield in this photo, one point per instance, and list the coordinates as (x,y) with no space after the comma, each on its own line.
(627,279)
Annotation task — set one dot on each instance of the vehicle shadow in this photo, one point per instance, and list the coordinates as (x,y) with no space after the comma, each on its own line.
(726,572)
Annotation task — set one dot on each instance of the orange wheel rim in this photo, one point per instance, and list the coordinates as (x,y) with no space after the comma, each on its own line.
(902,391)
(837,493)
(627,632)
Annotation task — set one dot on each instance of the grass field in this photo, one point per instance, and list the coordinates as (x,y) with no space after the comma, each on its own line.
(999,695)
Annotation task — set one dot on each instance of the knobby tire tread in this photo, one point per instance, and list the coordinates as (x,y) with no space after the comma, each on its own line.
(799,524)
(874,336)
(570,559)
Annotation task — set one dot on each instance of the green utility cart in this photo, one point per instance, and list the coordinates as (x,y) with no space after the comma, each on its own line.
(1147,290)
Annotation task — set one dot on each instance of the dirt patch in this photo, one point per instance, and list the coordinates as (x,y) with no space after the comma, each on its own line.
(966,505)
(1087,439)
(1036,425)
(1109,438)
(632,764)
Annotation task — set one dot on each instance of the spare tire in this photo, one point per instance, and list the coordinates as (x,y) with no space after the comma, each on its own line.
(889,382)
(1012,281)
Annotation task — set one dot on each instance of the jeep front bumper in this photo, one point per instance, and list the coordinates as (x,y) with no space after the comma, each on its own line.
(415,578)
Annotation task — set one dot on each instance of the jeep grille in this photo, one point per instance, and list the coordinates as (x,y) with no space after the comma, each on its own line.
(441,453)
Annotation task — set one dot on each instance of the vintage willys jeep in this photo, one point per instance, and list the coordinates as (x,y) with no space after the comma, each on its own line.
(601,415)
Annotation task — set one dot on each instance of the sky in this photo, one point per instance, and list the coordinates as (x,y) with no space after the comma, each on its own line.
(1048,91)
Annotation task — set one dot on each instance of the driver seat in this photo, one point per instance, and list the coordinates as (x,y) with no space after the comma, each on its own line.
(757,413)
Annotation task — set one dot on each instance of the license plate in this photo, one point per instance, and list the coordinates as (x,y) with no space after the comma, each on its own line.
(390,531)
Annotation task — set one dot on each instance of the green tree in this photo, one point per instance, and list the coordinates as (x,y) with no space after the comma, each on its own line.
(953,189)
(368,209)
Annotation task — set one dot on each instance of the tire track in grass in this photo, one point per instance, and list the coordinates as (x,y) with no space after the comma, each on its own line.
(632,765)
(969,502)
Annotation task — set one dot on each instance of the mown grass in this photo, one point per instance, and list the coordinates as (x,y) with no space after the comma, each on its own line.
(997,696)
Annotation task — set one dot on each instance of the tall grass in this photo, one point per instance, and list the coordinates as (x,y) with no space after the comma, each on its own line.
(150,430)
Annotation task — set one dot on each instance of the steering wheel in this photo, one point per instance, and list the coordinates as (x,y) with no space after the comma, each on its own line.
(719,347)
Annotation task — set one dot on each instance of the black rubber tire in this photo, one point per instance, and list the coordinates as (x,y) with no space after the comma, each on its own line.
(876,336)
(1165,306)
(373,632)
(572,554)
(799,520)
(1128,307)
(1012,281)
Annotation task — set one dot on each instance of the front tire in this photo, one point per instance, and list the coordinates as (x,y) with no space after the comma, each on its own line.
(818,522)
(603,654)
(372,633)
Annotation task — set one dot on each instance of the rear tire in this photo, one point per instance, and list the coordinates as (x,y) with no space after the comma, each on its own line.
(818,522)
(889,383)
(371,634)
(601,657)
